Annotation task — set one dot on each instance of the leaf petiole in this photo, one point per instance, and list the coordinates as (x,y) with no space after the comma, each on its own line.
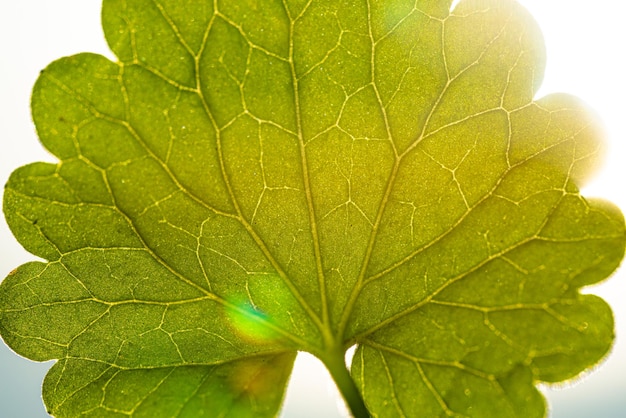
(335,363)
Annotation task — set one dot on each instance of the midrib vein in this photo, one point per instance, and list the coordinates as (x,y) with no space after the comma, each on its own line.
(358,286)
(321,279)
(240,217)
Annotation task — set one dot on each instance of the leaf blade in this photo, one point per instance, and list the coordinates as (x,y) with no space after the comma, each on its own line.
(275,188)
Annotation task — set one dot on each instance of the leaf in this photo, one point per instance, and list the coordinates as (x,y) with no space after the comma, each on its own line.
(255,179)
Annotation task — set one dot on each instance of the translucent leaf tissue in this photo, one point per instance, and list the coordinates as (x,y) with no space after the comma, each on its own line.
(253,179)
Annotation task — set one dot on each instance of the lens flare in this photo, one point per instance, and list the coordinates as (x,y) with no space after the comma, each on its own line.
(251,323)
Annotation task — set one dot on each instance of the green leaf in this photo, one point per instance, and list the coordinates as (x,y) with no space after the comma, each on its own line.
(253,179)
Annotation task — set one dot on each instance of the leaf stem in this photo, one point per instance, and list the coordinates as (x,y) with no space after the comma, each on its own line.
(335,363)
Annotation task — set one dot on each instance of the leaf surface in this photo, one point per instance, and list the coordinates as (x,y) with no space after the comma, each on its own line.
(251,180)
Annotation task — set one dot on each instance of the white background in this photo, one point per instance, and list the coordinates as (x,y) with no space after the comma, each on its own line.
(585,42)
